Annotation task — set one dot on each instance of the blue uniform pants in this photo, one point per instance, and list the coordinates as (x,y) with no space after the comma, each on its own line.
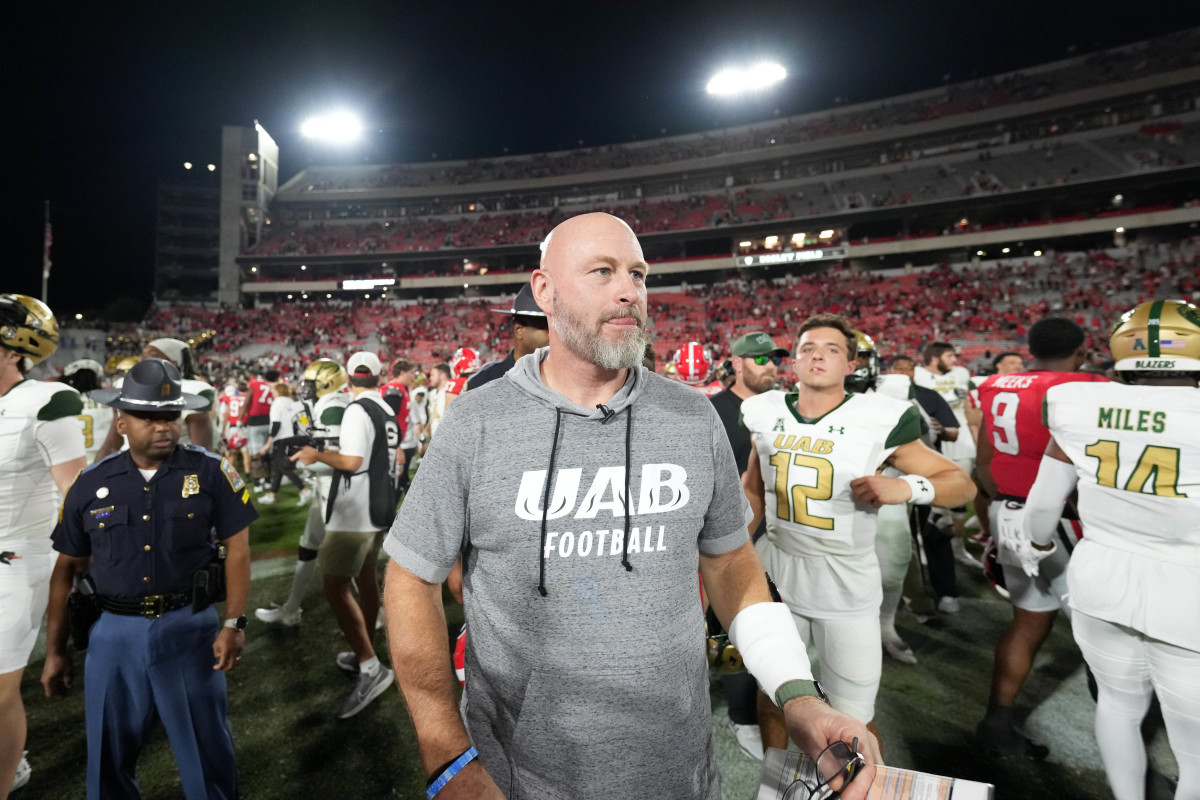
(137,667)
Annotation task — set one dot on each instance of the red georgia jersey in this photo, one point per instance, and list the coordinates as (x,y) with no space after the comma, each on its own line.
(261,398)
(457,385)
(1012,419)
(234,403)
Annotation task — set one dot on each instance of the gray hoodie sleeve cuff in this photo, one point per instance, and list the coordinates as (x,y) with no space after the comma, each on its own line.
(724,544)
(416,564)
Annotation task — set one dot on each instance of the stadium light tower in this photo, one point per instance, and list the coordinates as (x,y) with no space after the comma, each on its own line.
(736,81)
(339,127)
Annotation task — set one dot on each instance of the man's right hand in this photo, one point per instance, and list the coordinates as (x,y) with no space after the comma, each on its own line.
(813,726)
(57,675)
(472,783)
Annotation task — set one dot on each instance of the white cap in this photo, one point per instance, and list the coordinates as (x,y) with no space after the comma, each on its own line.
(364,360)
(171,348)
(83,363)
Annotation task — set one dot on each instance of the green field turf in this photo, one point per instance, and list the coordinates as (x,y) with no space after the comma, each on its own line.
(284,694)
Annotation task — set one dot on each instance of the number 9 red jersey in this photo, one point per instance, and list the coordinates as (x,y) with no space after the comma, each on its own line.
(1012,422)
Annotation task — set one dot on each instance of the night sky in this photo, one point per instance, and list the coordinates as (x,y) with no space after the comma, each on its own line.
(103,103)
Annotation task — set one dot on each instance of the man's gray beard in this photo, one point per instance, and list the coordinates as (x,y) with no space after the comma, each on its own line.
(591,346)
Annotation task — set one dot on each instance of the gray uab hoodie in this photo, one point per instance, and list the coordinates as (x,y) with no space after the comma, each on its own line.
(586,672)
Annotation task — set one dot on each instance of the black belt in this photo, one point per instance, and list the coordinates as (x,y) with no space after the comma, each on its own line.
(153,606)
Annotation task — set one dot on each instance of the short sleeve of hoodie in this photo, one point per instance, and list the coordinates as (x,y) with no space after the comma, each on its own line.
(428,532)
(728,514)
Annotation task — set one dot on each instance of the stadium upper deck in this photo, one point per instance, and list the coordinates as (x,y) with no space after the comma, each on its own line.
(1143,66)
(1069,147)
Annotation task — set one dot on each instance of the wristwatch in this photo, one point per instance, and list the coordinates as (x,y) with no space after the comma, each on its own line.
(799,688)
(238,623)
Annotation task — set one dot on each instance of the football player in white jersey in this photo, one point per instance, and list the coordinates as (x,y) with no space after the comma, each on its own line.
(84,376)
(1132,451)
(814,473)
(323,402)
(942,374)
(42,452)
(893,537)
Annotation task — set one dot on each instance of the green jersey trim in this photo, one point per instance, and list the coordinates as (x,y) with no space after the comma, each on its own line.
(333,415)
(61,404)
(1153,328)
(907,429)
(790,399)
(210,395)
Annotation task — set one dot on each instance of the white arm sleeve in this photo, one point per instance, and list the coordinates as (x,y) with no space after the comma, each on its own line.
(60,440)
(771,648)
(1043,508)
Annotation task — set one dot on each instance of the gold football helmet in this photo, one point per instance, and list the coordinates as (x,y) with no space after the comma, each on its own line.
(867,371)
(125,364)
(1158,336)
(322,377)
(28,327)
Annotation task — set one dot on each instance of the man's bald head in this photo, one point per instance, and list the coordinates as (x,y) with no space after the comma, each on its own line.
(591,230)
(592,286)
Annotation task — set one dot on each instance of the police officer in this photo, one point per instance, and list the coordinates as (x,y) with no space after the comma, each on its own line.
(141,524)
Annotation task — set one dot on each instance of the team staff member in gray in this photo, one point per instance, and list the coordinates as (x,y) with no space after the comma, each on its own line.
(141,524)
(583,492)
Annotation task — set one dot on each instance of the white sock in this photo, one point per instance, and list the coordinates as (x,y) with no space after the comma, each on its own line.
(1119,736)
(370,666)
(300,580)
(887,613)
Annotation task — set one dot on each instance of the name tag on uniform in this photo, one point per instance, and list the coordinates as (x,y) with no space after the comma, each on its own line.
(101,513)
(191,485)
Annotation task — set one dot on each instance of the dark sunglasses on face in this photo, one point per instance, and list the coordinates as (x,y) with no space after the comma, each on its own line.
(762,360)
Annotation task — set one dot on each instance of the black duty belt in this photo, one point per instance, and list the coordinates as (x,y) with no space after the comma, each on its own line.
(153,606)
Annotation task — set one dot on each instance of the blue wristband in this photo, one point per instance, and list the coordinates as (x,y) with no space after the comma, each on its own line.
(450,772)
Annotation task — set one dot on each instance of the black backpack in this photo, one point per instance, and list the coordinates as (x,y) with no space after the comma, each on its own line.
(381,468)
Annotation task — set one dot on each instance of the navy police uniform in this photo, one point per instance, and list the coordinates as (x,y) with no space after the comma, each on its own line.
(146,540)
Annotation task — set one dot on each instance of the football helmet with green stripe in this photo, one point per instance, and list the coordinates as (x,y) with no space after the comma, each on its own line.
(322,377)
(1161,336)
(28,327)
(866,373)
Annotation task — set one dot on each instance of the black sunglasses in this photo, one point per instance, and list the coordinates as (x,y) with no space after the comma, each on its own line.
(762,360)
(836,766)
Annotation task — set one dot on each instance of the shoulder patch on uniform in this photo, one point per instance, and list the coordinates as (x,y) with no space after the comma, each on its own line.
(231,474)
(906,429)
(61,404)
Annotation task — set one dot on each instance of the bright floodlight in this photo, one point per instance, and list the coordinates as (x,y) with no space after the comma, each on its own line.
(751,79)
(340,127)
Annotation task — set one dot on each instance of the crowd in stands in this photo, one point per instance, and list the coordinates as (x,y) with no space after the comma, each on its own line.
(984,309)
(1172,52)
(1041,164)
(489,230)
